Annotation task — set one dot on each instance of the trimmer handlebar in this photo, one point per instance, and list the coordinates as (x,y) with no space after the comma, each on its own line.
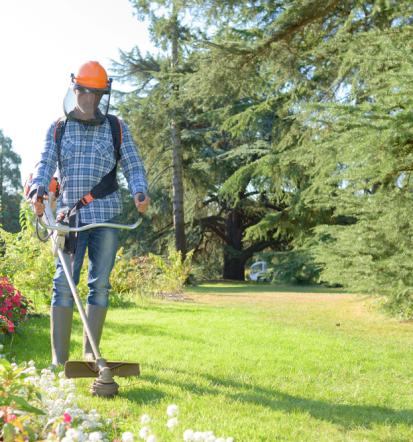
(66,229)
(48,222)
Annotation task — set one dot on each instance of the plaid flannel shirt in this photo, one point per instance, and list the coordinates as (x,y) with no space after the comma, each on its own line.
(87,154)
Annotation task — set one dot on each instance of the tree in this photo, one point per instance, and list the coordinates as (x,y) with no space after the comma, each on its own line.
(341,74)
(207,98)
(10,185)
(169,34)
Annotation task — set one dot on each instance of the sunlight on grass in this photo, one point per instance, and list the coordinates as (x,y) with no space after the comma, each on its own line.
(258,365)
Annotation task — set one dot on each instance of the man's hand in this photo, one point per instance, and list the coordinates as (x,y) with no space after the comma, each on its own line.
(142,202)
(38,205)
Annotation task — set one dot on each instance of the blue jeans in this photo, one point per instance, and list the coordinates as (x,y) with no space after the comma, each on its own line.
(102,244)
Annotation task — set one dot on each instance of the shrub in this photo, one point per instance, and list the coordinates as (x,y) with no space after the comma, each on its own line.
(14,307)
(151,275)
(26,260)
(173,271)
(132,276)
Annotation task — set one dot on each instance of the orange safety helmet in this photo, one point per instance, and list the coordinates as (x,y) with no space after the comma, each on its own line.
(92,75)
(91,79)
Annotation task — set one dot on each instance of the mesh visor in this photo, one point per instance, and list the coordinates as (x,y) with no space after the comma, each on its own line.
(86,104)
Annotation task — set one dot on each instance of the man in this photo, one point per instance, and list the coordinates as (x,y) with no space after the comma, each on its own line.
(82,146)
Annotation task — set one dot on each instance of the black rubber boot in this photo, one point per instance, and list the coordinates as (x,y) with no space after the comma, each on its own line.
(95,317)
(60,330)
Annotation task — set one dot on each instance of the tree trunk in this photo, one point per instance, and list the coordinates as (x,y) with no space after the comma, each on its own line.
(234,262)
(234,267)
(177,180)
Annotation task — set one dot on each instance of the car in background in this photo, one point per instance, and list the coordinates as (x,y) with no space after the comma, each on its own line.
(259,272)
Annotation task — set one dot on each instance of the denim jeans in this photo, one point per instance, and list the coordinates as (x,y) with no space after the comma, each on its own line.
(102,244)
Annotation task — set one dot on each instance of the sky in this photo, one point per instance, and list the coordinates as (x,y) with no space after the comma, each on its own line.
(41,43)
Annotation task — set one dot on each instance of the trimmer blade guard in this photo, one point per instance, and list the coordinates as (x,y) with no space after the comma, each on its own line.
(87,369)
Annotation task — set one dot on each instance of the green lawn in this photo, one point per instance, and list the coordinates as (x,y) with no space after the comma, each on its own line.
(256,362)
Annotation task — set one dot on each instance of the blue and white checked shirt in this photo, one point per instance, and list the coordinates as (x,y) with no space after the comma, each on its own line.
(87,154)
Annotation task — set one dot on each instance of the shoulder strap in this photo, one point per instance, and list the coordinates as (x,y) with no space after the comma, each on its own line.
(58,133)
(116,130)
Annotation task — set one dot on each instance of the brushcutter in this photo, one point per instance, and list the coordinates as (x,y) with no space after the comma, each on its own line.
(103,371)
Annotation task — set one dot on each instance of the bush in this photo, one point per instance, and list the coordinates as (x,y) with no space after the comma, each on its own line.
(14,307)
(132,276)
(26,260)
(173,271)
(151,275)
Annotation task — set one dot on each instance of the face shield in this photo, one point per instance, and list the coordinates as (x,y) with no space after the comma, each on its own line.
(86,104)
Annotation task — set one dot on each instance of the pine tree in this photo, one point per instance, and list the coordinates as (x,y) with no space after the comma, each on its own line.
(10,185)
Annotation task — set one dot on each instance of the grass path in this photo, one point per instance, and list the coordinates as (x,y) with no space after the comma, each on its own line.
(259,363)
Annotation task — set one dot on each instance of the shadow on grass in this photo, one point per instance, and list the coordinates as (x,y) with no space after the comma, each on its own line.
(344,415)
(32,341)
(141,396)
(247,287)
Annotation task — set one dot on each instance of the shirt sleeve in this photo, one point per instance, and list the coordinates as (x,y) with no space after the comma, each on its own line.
(46,167)
(131,162)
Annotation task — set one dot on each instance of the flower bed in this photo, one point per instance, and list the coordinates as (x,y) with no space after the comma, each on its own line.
(36,407)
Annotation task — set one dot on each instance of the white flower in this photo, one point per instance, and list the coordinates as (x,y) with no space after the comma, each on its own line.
(188,435)
(96,436)
(229,439)
(145,419)
(172,410)
(210,437)
(73,435)
(30,370)
(198,436)
(173,422)
(151,438)
(144,432)
(127,437)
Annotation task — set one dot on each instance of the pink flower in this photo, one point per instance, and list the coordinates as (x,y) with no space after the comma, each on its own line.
(67,418)
(16,299)
(10,327)
(10,417)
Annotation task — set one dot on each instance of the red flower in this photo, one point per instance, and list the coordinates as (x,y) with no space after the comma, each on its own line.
(16,299)
(67,418)
(13,307)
